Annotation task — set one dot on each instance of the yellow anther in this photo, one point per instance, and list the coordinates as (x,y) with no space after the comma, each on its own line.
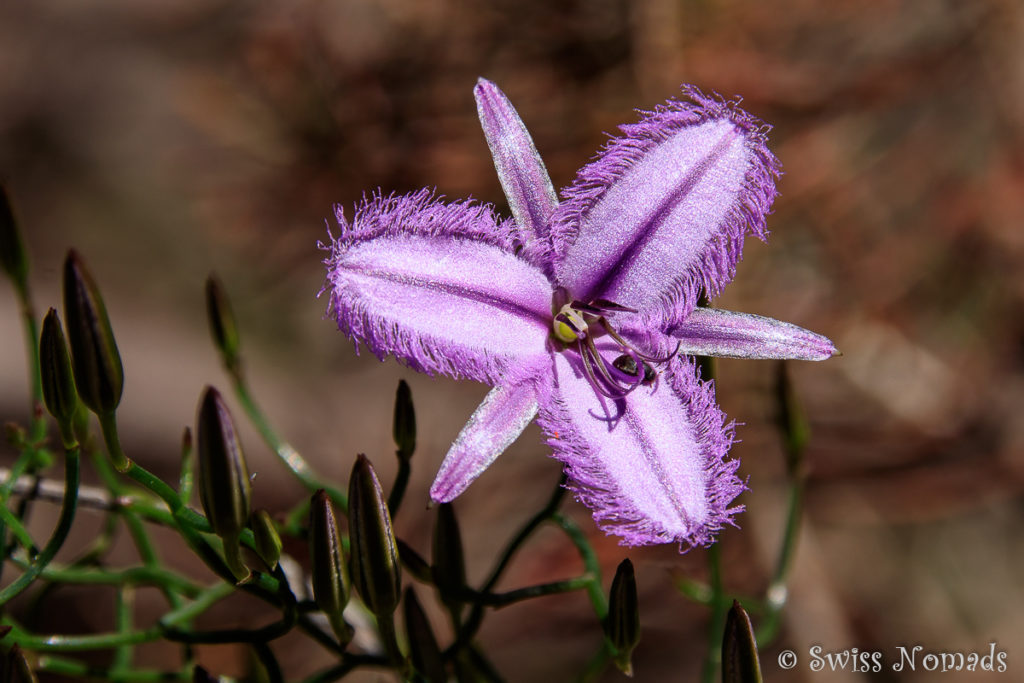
(568,325)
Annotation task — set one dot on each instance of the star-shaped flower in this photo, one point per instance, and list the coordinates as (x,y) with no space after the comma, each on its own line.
(583,313)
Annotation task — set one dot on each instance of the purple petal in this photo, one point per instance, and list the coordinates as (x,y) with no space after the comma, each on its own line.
(663,210)
(492,428)
(523,175)
(650,466)
(716,332)
(437,286)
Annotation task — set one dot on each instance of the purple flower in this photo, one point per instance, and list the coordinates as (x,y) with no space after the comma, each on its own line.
(582,313)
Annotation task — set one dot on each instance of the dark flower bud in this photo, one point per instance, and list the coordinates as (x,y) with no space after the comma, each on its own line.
(427,660)
(739,648)
(16,668)
(404,425)
(96,361)
(59,392)
(330,577)
(223,476)
(13,258)
(449,566)
(375,570)
(223,328)
(268,541)
(622,626)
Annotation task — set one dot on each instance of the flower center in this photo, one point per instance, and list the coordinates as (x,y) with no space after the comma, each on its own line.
(576,324)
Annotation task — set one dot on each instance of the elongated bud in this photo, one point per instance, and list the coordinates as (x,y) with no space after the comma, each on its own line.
(223,476)
(449,565)
(223,328)
(739,648)
(17,668)
(427,660)
(96,361)
(59,392)
(622,626)
(268,541)
(13,258)
(376,573)
(330,577)
(791,419)
(404,425)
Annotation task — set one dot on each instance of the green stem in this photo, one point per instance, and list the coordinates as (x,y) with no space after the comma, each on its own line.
(398,488)
(386,629)
(76,643)
(719,606)
(776,594)
(476,615)
(35,378)
(285,452)
(133,576)
(60,533)
(66,666)
(18,530)
(520,594)
(124,623)
(590,564)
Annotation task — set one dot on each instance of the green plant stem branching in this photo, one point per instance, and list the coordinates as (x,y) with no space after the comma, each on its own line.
(60,533)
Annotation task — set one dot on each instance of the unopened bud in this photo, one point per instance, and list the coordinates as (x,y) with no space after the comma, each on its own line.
(268,541)
(375,570)
(59,392)
(223,328)
(449,566)
(622,626)
(13,258)
(327,565)
(223,477)
(427,660)
(99,375)
(404,425)
(739,648)
(16,667)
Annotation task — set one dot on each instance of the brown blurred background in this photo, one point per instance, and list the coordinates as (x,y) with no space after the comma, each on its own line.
(167,139)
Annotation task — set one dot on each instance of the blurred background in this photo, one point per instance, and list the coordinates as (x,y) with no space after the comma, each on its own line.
(166,139)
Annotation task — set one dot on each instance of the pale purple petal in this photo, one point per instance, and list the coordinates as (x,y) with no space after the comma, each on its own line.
(651,466)
(662,212)
(496,423)
(437,286)
(716,332)
(531,196)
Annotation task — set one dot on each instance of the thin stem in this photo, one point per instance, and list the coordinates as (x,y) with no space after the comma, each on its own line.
(74,668)
(475,619)
(124,617)
(35,380)
(271,667)
(527,593)
(76,643)
(398,488)
(18,530)
(590,564)
(285,452)
(777,593)
(60,533)
(713,658)
(133,576)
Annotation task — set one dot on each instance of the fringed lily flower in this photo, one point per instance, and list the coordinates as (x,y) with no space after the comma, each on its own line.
(583,312)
